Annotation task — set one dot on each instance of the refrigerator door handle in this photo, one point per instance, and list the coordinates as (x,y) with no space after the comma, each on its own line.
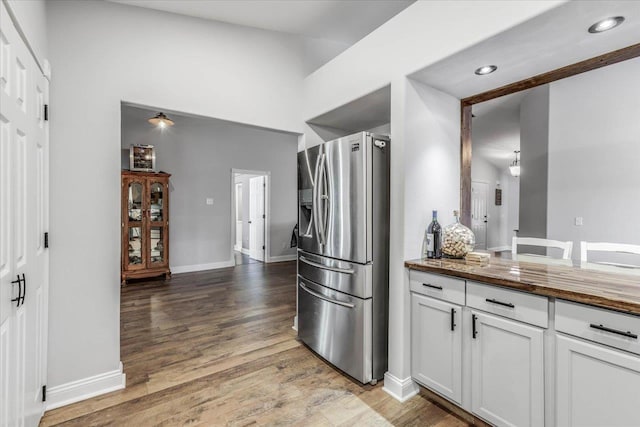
(325,267)
(322,297)
(319,188)
(314,200)
(326,197)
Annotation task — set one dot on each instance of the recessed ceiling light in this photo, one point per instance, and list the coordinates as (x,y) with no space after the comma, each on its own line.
(487,69)
(606,24)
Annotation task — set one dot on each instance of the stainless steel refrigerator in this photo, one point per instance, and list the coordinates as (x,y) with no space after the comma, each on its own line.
(343,253)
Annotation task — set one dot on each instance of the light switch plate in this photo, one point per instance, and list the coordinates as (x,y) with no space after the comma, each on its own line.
(209,201)
(579,222)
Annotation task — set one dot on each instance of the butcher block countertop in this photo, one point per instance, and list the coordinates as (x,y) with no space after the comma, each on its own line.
(587,284)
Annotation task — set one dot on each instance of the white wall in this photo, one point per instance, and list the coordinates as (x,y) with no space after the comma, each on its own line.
(101,54)
(425,175)
(534,146)
(32,20)
(200,153)
(594,156)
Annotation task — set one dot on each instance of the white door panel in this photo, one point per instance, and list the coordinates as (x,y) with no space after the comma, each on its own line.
(256,216)
(23,221)
(507,372)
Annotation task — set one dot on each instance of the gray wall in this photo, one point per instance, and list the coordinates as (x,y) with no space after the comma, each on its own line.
(200,153)
(534,143)
(594,156)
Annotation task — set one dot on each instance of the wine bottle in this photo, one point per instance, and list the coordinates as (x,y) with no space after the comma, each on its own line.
(434,238)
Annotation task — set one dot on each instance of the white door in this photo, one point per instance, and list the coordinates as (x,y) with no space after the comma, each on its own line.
(436,351)
(507,371)
(238,243)
(23,220)
(256,218)
(596,385)
(479,219)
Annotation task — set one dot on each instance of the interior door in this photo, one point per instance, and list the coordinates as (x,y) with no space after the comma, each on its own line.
(257,218)
(239,213)
(479,218)
(23,220)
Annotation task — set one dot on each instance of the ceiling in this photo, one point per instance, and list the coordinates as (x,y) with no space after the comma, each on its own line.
(345,21)
(551,40)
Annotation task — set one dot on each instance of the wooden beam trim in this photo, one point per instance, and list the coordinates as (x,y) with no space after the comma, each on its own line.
(610,58)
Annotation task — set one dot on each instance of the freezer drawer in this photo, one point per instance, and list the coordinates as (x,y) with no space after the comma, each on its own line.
(337,327)
(348,277)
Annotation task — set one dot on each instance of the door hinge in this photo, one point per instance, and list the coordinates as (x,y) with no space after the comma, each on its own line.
(46,240)
(263,247)
(44,393)
(263,216)
(46,112)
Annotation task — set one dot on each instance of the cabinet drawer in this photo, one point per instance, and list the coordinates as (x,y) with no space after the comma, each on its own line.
(515,305)
(437,286)
(603,326)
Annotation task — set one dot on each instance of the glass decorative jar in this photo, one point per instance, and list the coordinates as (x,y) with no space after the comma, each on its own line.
(457,240)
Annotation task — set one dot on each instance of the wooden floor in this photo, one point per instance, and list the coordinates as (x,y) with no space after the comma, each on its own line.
(217,348)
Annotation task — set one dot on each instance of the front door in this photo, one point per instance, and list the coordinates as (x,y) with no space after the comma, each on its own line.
(479,218)
(23,221)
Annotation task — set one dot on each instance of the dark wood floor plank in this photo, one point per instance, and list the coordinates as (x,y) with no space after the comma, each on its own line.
(217,348)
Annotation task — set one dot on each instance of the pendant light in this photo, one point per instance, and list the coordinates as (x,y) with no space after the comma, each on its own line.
(515,166)
(161,120)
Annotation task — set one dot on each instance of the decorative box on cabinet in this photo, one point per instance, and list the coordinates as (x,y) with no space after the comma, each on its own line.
(145,225)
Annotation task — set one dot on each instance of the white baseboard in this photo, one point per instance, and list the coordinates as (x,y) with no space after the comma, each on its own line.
(201,267)
(282,258)
(295,323)
(401,390)
(75,391)
(237,248)
(500,248)
(245,251)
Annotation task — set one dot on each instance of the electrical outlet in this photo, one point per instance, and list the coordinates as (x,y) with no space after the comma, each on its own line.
(209,201)
(579,222)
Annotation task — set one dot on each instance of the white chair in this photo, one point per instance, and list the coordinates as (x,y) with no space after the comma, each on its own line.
(620,248)
(566,247)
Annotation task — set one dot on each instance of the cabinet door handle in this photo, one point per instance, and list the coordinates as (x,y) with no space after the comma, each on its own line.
(453,319)
(505,304)
(429,285)
(627,334)
(473,325)
(24,289)
(19,282)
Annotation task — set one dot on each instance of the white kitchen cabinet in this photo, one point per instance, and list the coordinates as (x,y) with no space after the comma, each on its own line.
(507,371)
(596,385)
(436,351)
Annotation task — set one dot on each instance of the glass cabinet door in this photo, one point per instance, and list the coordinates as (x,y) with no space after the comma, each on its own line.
(157,246)
(156,202)
(135,208)
(134,250)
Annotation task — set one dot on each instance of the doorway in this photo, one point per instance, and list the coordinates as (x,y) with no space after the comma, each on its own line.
(249,228)
(479,218)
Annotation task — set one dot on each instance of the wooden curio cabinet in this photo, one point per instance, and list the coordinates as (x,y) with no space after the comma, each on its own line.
(145,225)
